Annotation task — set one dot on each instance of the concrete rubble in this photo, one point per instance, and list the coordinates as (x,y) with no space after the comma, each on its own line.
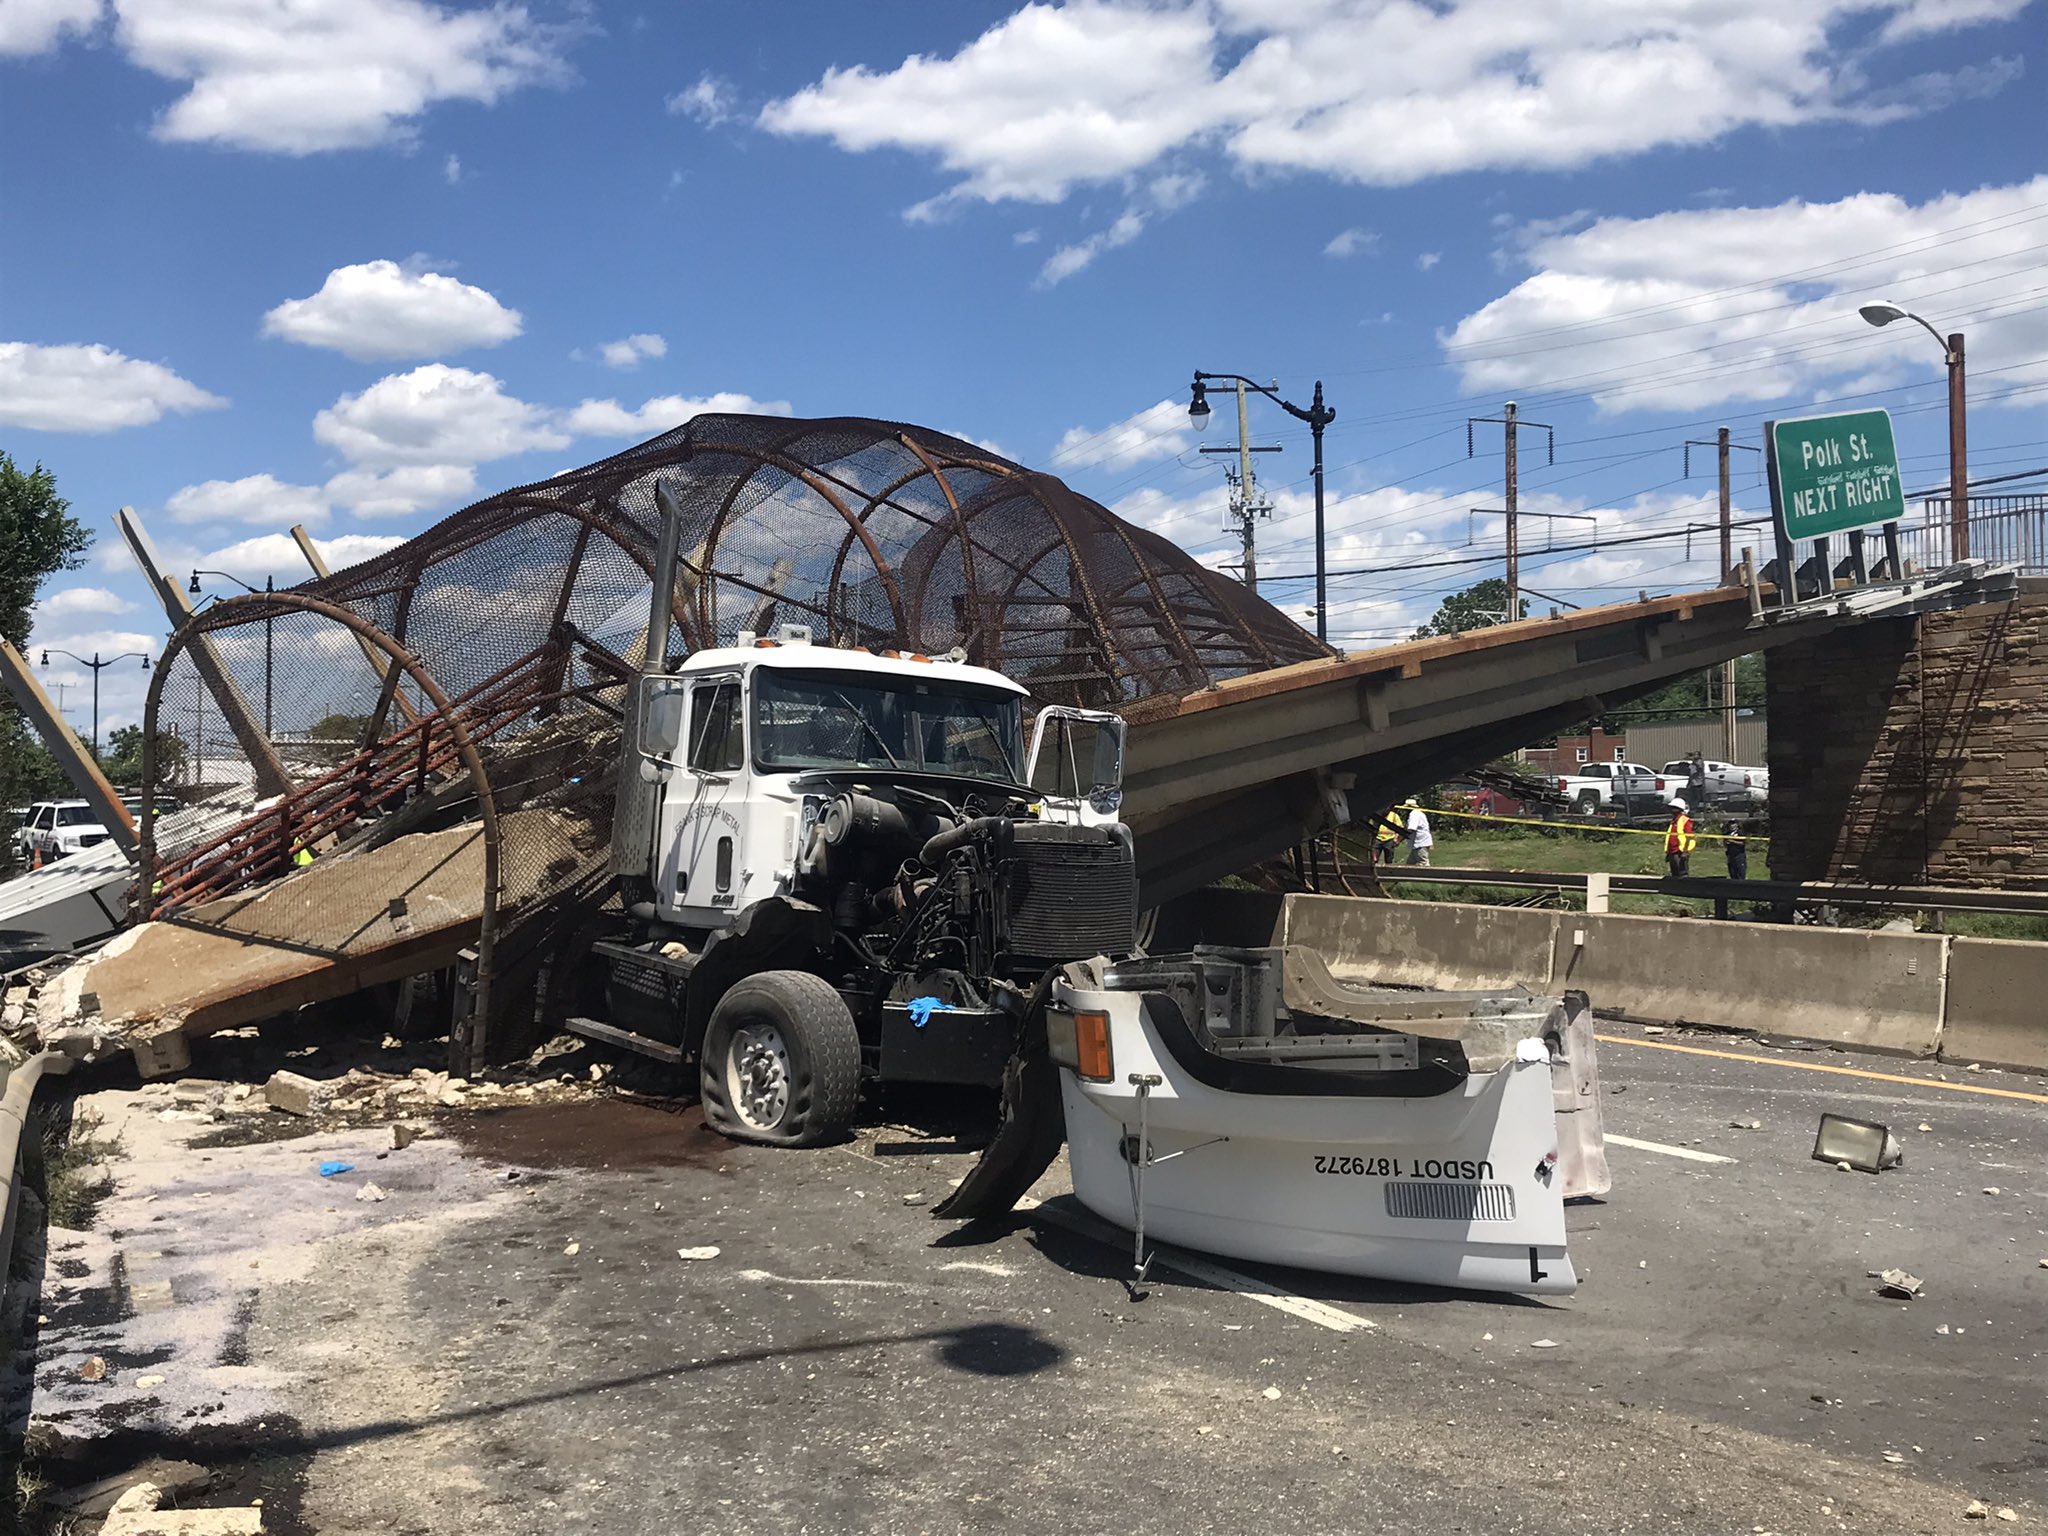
(321,933)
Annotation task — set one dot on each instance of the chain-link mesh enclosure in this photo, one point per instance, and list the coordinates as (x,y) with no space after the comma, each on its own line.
(480,666)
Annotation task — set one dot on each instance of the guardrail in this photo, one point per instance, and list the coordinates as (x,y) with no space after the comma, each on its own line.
(21,1087)
(1721,891)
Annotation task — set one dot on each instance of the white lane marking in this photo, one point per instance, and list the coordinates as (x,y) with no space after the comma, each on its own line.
(769,1277)
(1690,1154)
(1224,1278)
(1000,1271)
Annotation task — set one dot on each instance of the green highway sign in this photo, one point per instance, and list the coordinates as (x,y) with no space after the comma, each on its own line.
(1833,473)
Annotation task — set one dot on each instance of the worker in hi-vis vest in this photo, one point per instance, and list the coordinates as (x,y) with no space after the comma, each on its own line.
(1679,841)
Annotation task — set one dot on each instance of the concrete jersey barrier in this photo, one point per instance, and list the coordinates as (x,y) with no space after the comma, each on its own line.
(1908,994)
(1426,943)
(1997,1004)
(1875,991)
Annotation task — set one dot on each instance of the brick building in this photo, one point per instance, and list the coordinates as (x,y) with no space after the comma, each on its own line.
(1573,752)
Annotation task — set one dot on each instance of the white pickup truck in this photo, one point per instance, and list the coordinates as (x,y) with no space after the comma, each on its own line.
(1597,784)
(1723,781)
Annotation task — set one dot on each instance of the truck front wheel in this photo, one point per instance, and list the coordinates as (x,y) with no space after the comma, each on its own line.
(781,1061)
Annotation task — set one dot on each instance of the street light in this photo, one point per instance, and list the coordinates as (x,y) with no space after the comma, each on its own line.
(97,667)
(1318,416)
(1884,312)
(267,637)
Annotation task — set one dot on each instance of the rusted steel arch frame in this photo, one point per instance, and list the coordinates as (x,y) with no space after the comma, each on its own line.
(1175,632)
(618,530)
(769,458)
(411,561)
(220,616)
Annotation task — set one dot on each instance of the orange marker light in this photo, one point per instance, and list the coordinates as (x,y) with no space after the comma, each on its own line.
(1091,1040)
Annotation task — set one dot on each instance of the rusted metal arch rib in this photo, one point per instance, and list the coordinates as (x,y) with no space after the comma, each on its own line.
(973,636)
(798,471)
(473,1047)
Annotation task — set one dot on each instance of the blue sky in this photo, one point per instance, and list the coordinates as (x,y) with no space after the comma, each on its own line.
(358,262)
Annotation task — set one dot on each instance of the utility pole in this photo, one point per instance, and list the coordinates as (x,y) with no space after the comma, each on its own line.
(1247,506)
(1509,420)
(1722,446)
(1958,456)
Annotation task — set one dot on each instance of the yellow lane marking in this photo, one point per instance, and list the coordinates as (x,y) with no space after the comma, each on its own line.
(1815,1066)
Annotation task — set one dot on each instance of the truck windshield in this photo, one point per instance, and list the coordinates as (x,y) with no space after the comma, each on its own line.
(847,720)
(75,816)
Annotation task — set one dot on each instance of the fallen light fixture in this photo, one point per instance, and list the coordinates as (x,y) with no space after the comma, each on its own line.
(1863,1144)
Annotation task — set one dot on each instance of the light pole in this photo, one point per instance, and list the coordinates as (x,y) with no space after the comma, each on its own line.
(97,667)
(1318,416)
(1884,312)
(268,734)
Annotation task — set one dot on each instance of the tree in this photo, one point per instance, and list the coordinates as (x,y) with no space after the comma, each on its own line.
(38,538)
(1477,606)
(339,727)
(122,761)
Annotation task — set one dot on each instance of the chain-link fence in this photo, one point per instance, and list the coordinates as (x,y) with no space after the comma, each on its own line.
(478,670)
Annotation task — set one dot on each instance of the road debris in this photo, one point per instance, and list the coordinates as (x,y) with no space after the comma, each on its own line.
(1544,1344)
(707,1252)
(334,1167)
(1993,1189)
(1897,1284)
(1270,1394)
(372,1193)
(294,1094)
(146,1382)
(1860,1144)
(402,1135)
(572,1250)
(94,1369)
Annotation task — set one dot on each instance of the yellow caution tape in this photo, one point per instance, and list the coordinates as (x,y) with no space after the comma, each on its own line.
(1567,826)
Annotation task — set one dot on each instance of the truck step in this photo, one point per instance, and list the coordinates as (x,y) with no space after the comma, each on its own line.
(611,1034)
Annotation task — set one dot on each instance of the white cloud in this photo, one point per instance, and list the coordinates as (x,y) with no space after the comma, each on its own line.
(629,352)
(1069,259)
(277,556)
(31,26)
(1095,91)
(451,169)
(1162,194)
(1352,242)
(88,389)
(1157,432)
(379,311)
(607,418)
(1701,307)
(402,491)
(252,499)
(1025,237)
(435,414)
(300,76)
(1045,98)
(74,601)
(711,101)
(1427,260)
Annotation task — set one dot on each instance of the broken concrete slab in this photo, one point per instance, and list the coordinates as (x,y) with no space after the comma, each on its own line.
(173,1478)
(244,1521)
(323,932)
(296,1095)
(160,1048)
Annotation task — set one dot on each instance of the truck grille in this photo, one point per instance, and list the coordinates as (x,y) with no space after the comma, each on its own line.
(1074,893)
(1427,1200)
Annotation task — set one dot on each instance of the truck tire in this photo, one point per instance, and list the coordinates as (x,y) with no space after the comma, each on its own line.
(781,1061)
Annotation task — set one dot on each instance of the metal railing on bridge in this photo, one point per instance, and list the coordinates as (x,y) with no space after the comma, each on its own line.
(2004,530)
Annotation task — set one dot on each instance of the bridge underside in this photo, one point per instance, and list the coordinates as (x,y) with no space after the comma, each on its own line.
(1220,779)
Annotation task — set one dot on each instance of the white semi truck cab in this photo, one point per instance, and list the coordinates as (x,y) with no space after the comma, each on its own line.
(835,868)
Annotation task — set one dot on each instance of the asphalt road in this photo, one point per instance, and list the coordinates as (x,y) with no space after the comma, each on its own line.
(846,1363)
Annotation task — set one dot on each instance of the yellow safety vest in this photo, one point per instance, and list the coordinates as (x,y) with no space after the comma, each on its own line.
(1680,838)
(303,857)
